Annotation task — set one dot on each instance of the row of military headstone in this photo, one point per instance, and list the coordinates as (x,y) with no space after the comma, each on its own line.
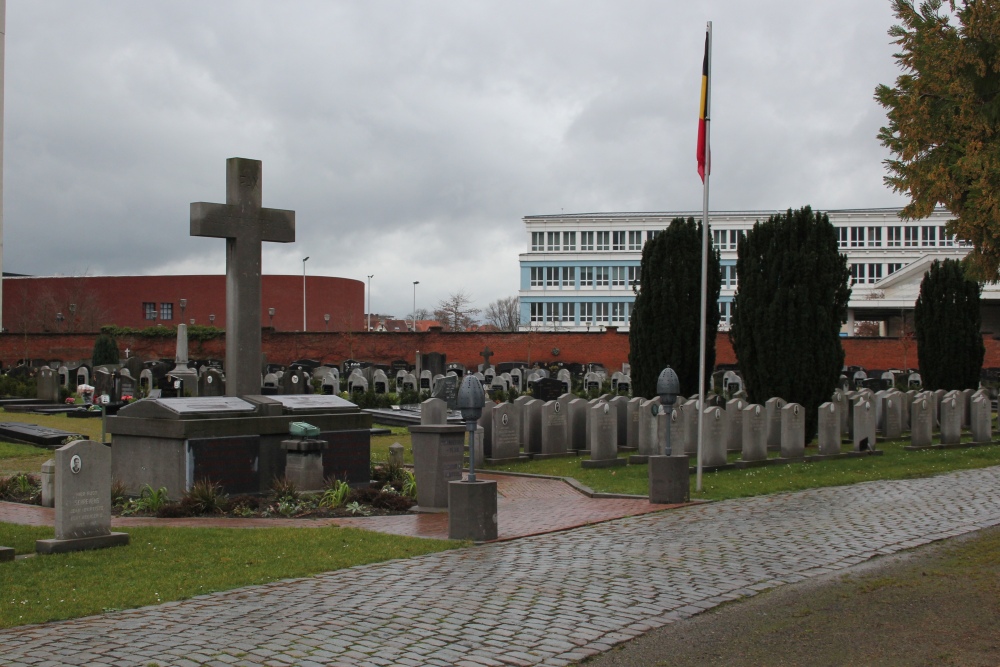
(856,378)
(604,426)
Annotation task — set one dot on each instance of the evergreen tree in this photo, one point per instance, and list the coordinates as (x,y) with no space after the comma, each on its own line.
(947,318)
(105,350)
(791,303)
(664,326)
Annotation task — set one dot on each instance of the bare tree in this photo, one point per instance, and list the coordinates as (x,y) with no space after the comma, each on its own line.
(504,314)
(456,312)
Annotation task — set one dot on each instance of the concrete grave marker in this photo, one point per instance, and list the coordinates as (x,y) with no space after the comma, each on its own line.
(951,419)
(506,432)
(793,431)
(716,436)
(82,500)
(829,429)
(754,433)
(922,422)
(602,435)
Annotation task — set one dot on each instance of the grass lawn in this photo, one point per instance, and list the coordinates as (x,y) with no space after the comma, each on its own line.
(164,564)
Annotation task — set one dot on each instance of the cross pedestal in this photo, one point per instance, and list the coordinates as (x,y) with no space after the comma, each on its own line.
(245,225)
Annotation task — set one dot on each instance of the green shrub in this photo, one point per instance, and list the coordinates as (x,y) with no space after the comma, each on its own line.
(105,350)
(205,497)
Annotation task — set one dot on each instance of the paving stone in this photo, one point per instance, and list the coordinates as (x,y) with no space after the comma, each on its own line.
(551,600)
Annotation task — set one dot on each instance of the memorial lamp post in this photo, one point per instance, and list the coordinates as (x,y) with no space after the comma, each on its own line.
(667,387)
(472,503)
(470,402)
(668,475)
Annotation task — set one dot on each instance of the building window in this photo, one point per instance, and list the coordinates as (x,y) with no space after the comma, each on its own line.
(725,313)
(586,240)
(602,312)
(537,241)
(735,236)
(568,311)
(729,276)
(603,240)
(536,312)
(928,236)
(894,237)
(552,276)
(842,237)
(550,312)
(874,273)
(586,312)
(892,268)
(857,237)
(569,241)
(635,240)
(652,234)
(911,237)
(602,276)
(634,273)
(537,273)
(857,273)
(619,313)
(553,242)
(148,310)
(618,240)
(586,276)
(874,237)
(719,239)
(618,276)
(166,311)
(569,276)
(945,239)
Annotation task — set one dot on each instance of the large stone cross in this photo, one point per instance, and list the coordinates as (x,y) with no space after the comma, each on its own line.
(245,224)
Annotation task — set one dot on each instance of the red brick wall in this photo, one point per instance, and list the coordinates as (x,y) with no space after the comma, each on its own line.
(609,348)
(31,304)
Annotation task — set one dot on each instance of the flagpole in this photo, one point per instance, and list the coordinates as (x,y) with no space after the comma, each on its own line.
(704,257)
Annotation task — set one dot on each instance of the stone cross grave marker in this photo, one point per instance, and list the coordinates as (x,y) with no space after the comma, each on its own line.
(486,354)
(245,225)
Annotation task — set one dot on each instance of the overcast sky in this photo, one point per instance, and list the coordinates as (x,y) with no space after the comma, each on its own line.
(411,137)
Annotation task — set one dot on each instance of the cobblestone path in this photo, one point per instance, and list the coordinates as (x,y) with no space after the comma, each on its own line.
(549,600)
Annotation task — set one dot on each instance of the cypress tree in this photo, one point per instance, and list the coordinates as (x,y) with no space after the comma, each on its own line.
(947,320)
(791,303)
(664,325)
(105,350)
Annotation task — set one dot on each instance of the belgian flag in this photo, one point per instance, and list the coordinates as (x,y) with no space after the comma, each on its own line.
(704,154)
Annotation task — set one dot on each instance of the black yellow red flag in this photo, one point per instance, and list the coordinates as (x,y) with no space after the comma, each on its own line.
(704,154)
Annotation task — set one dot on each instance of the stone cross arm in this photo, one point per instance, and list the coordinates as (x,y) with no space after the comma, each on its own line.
(230,221)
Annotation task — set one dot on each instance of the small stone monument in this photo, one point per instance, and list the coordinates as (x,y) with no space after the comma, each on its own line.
(82,500)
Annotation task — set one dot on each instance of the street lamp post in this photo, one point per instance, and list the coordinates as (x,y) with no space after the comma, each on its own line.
(304,260)
(415,283)
(370,302)
(184,304)
(326,320)
(270,314)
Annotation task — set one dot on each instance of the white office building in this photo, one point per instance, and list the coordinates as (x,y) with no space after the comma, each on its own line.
(580,271)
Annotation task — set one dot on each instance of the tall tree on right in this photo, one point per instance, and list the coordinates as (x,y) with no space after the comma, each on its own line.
(944,120)
(947,318)
(791,303)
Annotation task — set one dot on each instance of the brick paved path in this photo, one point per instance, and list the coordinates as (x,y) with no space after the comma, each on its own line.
(526,506)
(549,600)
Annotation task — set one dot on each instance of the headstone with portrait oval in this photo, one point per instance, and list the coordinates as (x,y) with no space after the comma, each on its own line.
(82,500)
